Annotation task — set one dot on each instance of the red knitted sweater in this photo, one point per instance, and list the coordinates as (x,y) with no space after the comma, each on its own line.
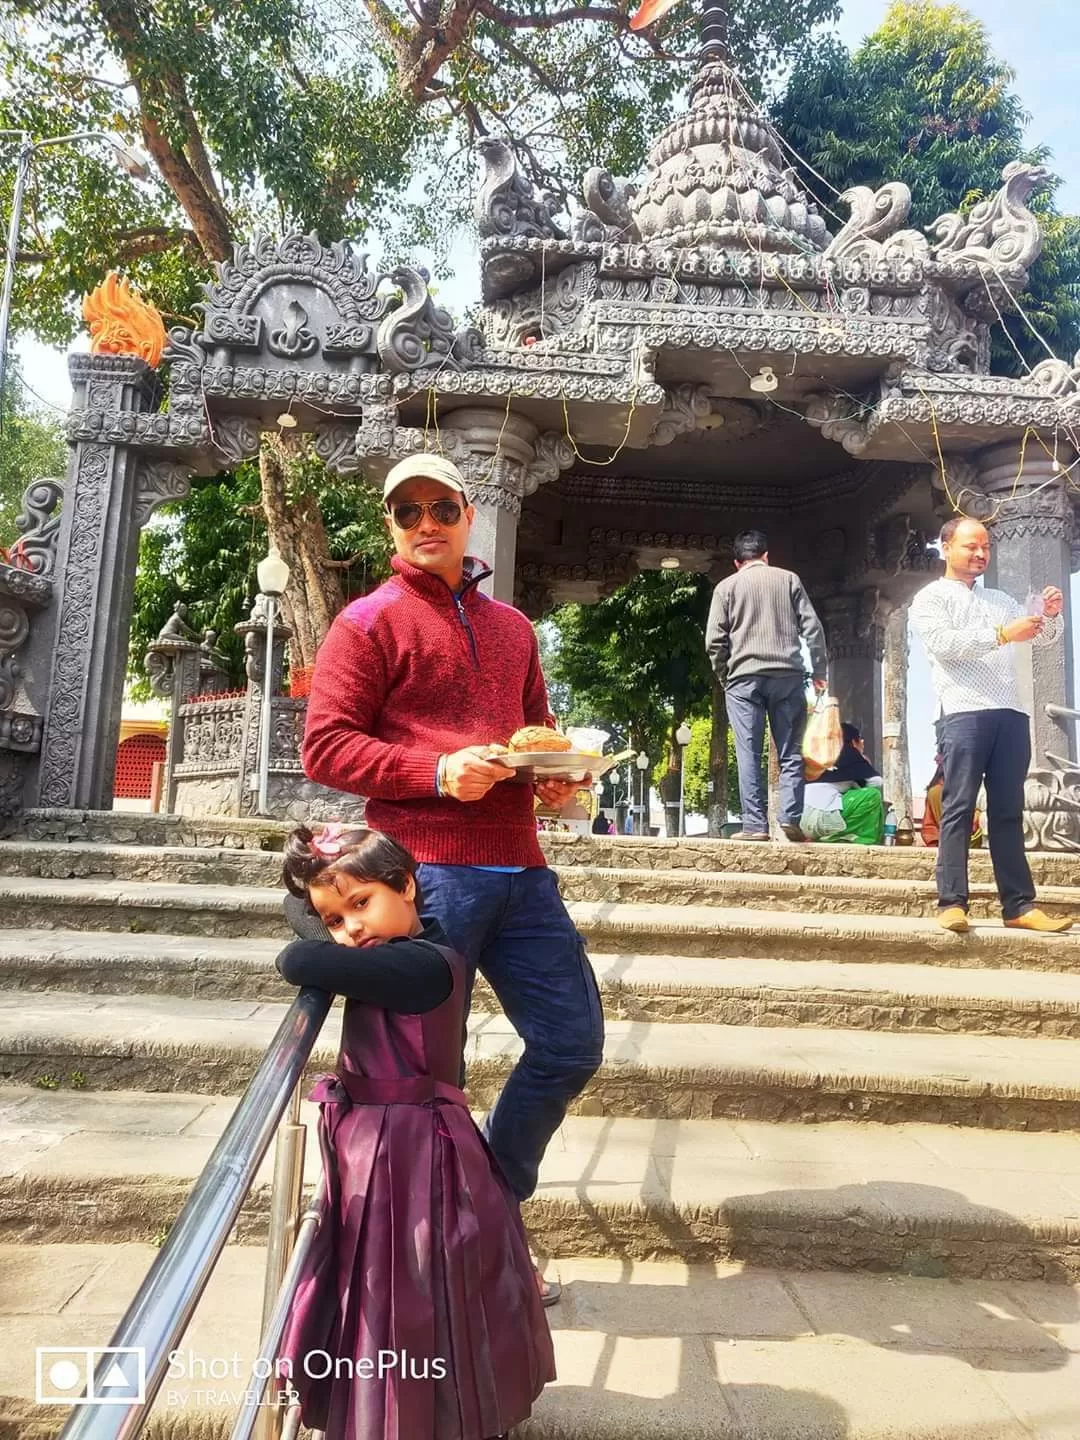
(409,673)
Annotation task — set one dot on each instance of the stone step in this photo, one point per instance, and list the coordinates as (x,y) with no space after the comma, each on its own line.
(866,862)
(644,1351)
(716,932)
(666,988)
(787,894)
(802,894)
(922,1199)
(132,827)
(690,1071)
(108,827)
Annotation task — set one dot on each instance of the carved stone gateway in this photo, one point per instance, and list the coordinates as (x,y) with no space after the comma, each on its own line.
(676,360)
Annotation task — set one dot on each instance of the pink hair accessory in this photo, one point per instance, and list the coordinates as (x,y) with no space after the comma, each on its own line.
(328,843)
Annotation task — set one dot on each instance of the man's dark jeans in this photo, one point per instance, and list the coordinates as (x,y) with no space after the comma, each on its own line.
(514,928)
(995,744)
(781,697)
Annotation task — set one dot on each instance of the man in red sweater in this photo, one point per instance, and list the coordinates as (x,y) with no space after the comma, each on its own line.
(411,684)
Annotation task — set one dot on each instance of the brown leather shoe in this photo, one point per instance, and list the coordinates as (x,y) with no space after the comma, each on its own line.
(795,834)
(953,919)
(1039,921)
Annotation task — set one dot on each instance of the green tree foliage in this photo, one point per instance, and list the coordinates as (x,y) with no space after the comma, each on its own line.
(205,550)
(322,115)
(697,769)
(635,663)
(31,448)
(925,100)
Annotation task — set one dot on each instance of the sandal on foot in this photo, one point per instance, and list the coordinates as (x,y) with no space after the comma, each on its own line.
(550,1290)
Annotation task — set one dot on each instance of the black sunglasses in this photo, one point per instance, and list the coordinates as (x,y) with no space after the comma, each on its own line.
(409,513)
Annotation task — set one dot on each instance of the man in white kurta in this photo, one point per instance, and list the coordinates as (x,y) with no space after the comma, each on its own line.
(969,633)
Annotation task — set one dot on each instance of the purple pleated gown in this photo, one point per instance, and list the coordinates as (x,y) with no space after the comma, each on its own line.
(421,1252)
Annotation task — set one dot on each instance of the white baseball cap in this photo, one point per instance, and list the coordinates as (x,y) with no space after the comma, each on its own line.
(427,467)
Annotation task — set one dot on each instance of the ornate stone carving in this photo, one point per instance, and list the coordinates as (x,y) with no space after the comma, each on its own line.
(534,598)
(12,782)
(506,203)
(39,525)
(158,483)
(213,737)
(14,628)
(548,311)
(253,632)
(174,653)
(236,438)
(684,407)
(839,418)
(553,453)
(290,299)
(896,545)
(1000,232)
(292,339)
(716,176)
(67,696)
(1052,807)
(873,233)
(976,401)
(960,343)
(417,333)
(20,731)
(335,446)
(606,215)
(853,626)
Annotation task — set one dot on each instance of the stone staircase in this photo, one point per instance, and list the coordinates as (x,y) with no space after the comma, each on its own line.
(826,1184)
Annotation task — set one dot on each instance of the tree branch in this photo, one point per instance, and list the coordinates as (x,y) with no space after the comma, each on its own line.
(496,13)
(542,76)
(187,171)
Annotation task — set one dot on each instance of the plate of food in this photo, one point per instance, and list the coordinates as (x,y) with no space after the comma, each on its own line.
(536,752)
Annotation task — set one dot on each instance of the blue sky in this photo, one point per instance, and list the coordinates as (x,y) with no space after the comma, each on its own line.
(1040,39)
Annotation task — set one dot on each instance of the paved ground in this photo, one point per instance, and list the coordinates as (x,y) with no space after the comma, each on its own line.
(649,1350)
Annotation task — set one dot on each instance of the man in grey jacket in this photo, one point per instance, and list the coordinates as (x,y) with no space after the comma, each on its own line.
(757,619)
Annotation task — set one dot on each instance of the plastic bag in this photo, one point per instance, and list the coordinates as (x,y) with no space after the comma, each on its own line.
(823,738)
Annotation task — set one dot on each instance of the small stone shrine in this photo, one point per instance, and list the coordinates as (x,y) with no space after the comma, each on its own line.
(670,364)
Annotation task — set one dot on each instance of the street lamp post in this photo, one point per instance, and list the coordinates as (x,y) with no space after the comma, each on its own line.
(135,163)
(642,763)
(683,736)
(273,578)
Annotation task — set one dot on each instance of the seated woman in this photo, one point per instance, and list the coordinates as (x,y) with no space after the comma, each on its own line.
(845,804)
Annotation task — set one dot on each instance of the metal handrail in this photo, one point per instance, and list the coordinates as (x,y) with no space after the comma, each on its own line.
(156,1319)
(275,1327)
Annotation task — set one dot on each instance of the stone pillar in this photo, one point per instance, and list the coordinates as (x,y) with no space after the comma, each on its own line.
(501,448)
(856,644)
(1029,514)
(894,761)
(172,664)
(110,493)
(718,766)
(253,631)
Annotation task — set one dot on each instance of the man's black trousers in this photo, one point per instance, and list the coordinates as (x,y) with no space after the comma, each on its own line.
(992,746)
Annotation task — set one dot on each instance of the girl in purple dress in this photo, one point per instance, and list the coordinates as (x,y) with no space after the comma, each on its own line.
(418,1317)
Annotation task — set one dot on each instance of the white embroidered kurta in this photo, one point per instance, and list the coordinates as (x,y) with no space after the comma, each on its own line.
(958,627)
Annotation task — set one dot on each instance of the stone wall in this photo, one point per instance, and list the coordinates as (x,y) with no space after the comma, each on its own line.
(292,797)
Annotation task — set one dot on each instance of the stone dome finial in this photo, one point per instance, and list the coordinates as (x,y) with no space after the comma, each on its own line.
(717,178)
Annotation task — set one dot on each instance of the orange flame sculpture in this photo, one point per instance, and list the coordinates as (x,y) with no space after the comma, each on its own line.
(122,323)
